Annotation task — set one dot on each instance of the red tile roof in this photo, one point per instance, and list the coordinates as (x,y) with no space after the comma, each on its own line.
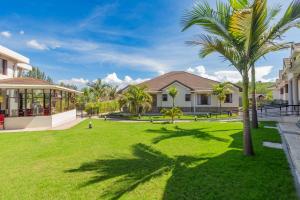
(31,83)
(189,80)
(24,81)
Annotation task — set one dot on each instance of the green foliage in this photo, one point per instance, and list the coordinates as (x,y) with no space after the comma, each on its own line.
(172,112)
(136,99)
(173,92)
(242,32)
(38,74)
(74,87)
(99,89)
(221,90)
(102,107)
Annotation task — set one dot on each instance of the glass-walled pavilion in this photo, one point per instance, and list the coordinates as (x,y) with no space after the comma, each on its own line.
(21,97)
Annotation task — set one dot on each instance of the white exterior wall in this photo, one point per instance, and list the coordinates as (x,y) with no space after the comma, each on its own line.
(13,61)
(10,69)
(62,118)
(12,123)
(180,98)
(276,93)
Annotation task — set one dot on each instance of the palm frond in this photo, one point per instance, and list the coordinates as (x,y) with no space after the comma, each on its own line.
(214,22)
(290,19)
(239,4)
(211,44)
(268,48)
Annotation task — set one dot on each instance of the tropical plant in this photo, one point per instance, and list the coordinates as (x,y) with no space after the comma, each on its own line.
(220,91)
(173,92)
(112,92)
(38,74)
(242,32)
(99,89)
(71,86)
(136,99)
(172,112)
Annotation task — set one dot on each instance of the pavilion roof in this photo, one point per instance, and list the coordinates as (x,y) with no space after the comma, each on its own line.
(31,83)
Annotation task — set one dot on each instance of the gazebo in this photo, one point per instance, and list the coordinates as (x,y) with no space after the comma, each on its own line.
(33,103)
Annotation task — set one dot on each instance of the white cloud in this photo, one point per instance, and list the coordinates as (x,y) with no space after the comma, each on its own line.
(201,71)
(6,34)
(111,79)
(114,80)
(232,76)
(161,72)
(36,45)
(22,32)
(262,72)
(79,82)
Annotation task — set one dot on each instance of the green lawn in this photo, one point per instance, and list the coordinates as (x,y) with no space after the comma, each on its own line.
(183,117)
(197,160)
(268,123)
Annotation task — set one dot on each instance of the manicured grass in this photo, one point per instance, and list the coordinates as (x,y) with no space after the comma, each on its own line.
(197,160)
(268,123)
(183,117)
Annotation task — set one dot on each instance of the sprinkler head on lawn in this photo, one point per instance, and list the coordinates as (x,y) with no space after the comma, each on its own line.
(90,125)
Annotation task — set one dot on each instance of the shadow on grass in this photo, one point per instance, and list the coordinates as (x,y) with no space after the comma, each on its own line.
(148,164)
(180,132)
(229,175)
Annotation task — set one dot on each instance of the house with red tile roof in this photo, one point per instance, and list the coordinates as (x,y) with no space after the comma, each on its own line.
(194,93)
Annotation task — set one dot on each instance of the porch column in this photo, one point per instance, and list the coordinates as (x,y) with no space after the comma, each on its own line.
(195,96)
(290,94)
(295,91)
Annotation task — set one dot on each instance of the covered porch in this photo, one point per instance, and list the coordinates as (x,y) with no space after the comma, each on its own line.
(30,103)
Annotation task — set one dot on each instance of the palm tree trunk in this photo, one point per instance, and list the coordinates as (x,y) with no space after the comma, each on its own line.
(220,107)
(254,110)
(248,146)
(173,102)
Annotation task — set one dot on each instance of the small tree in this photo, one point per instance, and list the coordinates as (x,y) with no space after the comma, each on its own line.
(173,92)
(220,91)
(172,112)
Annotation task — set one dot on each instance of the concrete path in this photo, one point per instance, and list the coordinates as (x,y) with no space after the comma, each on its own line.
(290,134)
(61,127)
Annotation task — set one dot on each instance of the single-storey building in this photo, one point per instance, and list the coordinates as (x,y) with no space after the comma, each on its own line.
(194,93)
(31,103)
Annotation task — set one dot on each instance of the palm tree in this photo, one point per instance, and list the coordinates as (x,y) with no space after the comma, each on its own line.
(99,89)
(38,74)
(172,112)
(137,99)
(173,92)
(242,33)
(221,90)
(112,92)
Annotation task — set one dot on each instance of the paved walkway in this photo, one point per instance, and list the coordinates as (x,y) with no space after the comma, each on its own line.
(290,134)
(61,127)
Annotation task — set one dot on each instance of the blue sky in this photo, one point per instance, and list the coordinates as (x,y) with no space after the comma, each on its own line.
(121,41)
